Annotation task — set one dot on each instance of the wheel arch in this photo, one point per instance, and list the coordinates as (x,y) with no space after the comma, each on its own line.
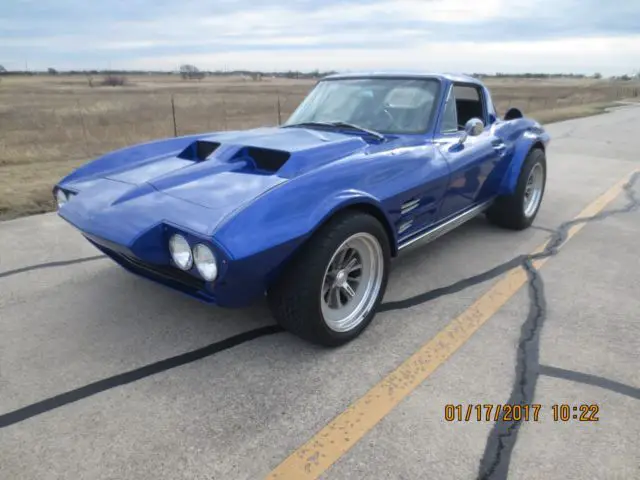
(522,150)
(363,206)
(538,144)
(295,294)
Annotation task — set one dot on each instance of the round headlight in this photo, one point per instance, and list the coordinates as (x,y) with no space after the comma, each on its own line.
(180,252)
(61,198)
(205,262)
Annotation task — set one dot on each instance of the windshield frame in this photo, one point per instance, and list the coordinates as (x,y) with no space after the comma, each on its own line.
(430,125)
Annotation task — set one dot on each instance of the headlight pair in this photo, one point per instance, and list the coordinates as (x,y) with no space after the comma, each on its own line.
(184,257)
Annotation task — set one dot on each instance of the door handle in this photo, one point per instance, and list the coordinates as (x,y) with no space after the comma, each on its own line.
(498,145)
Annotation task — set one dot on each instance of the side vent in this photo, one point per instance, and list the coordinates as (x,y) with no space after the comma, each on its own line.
(263,158)
(408,206)
(404,227)
(199,150)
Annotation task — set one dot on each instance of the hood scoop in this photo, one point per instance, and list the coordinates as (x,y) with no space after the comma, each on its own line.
(262,159)
(257,158)
(199,150)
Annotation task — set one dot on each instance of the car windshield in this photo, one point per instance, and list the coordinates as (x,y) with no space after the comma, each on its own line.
(385,105)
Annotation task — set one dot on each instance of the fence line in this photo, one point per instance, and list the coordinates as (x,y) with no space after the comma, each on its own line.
(76,127)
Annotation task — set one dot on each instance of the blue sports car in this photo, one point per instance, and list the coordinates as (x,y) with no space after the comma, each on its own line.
(309,213)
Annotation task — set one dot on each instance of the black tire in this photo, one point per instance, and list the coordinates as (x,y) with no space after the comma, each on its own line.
(295,298)
(508,211)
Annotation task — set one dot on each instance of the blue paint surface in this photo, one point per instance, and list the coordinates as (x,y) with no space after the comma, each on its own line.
(254,217)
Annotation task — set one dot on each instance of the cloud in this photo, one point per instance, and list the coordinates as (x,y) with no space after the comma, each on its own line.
(492,35)
(568,55)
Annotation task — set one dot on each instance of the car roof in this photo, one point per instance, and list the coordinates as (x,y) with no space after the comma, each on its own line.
(452,77)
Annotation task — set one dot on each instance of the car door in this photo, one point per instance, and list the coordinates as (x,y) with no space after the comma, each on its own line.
(425,178)
(470,161)
(417,174)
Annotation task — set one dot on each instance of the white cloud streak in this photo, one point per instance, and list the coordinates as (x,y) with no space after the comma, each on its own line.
(606,55)
(398,34)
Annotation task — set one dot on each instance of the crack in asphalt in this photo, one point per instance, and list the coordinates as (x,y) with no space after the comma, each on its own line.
(99,386)
(497,454)
(503,436)
(588,379)
(454,287)
(40,266)
(544,229)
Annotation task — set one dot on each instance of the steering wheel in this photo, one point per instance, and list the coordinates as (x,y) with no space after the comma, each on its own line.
(392,120)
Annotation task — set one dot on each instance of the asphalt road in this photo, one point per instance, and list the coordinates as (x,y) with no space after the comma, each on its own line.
(238,407)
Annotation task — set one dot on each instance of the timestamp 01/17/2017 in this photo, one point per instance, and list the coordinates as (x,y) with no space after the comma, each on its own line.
(519,412)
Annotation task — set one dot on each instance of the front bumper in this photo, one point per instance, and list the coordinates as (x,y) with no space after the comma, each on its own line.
(239,284)
(163,274)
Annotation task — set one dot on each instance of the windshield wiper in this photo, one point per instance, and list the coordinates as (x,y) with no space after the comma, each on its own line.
(352,126)
(308,124)
(349,126)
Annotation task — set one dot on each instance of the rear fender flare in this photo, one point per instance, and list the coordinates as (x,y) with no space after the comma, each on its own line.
(525,144)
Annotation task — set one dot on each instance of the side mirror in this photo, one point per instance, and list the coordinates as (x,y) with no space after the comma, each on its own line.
(472,128)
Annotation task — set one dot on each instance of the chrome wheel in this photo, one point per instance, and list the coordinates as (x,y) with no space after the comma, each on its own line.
(533,190)
(352,282)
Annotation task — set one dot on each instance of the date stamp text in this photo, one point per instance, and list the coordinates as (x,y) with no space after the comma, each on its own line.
(494,412)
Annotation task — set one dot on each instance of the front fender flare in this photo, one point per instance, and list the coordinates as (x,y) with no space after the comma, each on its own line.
(261,241)
(353,199)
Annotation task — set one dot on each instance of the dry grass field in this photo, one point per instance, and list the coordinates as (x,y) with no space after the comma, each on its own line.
(50,125)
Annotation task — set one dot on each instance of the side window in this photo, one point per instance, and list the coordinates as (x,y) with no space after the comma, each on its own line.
(450,115)
(493,114)
(468,103)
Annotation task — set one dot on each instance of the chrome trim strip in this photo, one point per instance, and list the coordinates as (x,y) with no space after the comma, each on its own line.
(431,235)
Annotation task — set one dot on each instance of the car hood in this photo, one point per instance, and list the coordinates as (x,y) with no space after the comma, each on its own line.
(196,182)
(230,169)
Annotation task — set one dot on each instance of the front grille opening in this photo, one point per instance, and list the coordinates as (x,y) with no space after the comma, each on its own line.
(164,274)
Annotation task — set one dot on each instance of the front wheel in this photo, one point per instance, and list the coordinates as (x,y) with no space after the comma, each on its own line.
(330,292)
(518,210)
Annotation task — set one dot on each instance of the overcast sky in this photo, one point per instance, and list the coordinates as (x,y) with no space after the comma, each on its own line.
(582,36)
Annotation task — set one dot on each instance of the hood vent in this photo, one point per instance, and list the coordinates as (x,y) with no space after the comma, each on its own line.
(263,159)
(199,150)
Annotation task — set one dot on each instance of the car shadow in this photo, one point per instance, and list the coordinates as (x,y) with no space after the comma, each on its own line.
(157,307)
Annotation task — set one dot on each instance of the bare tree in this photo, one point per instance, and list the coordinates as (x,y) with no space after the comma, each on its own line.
(114,81)
(190,71)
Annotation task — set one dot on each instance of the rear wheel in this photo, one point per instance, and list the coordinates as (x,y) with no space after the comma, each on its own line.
(330,292)
(518,210)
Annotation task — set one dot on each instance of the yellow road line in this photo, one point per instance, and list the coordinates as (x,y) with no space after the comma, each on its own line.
(314,457)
